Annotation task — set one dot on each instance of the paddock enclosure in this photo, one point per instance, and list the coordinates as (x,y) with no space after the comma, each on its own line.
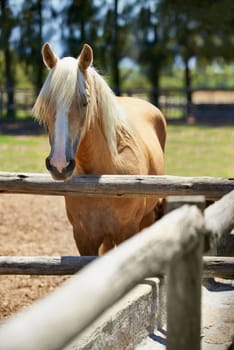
(172,247)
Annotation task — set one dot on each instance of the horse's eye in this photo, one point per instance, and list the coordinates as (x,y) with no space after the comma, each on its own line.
(84,101)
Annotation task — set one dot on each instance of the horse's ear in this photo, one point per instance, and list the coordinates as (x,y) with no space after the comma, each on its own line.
(86,57)
(49,57)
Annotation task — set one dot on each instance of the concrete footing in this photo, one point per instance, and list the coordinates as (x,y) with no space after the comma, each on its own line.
(131,324)
(125,324)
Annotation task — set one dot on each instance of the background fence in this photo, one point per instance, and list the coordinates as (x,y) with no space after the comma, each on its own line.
(172,246)
(213,105)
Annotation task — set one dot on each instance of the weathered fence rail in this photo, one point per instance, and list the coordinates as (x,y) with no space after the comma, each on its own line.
(172,246)
(68,265)
(116,185)
(43,265)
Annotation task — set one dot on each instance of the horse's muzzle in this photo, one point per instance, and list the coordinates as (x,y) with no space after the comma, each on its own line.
(66,172)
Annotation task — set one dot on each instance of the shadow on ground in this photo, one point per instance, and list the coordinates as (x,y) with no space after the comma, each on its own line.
(21,127)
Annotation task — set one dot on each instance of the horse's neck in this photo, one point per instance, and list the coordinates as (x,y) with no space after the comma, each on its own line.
(93,156)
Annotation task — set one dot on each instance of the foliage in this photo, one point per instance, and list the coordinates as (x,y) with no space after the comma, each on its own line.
(8,22)
(200,28)
(152,33)
(152,37)
(81,20)
(32,22)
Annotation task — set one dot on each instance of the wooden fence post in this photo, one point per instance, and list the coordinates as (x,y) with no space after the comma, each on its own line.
(184,289)
(184,301)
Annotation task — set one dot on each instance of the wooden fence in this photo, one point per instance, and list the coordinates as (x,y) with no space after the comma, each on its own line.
(172,246)
(116,185)
(68,265)
(209,104)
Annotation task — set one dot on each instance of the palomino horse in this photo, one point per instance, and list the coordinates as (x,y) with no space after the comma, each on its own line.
(91,131)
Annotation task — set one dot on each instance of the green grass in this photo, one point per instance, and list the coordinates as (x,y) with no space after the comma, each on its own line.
(200,151)
(23,153)
(190,151)
(20,114)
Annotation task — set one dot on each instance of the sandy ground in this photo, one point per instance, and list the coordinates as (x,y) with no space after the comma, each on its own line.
(31,225)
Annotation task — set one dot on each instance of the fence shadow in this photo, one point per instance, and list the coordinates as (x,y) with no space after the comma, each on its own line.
(218,286)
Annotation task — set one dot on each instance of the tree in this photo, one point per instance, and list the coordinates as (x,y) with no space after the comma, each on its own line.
(31,39)
(80,19)
(115,46)
(100,26)
(200,29)
(111,53)
(152,39)
(117,40)
(183,31)
(8,22)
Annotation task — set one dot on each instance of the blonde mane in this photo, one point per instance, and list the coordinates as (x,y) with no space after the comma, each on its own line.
(64,82)
(103,105)
(58,90)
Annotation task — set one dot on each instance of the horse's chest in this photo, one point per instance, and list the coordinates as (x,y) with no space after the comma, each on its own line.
(98,213)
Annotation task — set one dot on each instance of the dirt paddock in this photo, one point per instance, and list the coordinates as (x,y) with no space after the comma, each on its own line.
(31,225)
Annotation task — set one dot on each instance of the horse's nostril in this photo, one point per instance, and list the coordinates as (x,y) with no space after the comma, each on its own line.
(60,175)
(71,165)
(48,165)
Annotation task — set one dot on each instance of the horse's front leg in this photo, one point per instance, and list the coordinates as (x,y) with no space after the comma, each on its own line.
(86,244)
(107,244)
(87,241)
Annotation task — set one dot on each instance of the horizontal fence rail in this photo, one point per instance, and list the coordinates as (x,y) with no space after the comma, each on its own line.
(68,265)
(43,265)
(116,185)
(218,266)
(219,219)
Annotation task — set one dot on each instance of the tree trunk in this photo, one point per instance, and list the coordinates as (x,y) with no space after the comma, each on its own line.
(6,33)
(154,95)
(9,84)
(188,86)
(115,55)
(39,78)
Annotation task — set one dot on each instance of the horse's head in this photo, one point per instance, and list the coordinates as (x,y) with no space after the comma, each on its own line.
(62,106)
